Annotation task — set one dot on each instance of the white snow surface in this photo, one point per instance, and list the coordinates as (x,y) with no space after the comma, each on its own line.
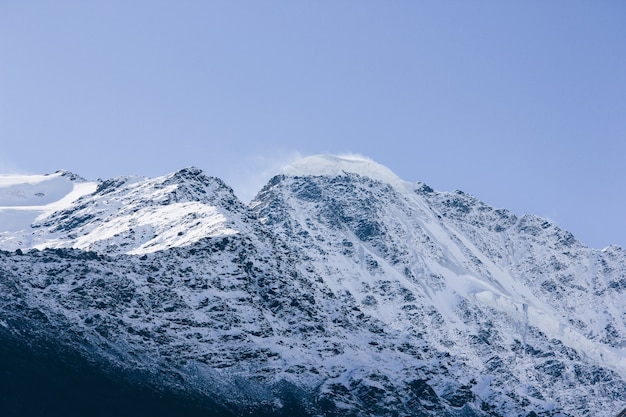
(26,198)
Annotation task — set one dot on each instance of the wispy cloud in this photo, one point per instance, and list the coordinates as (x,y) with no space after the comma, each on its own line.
(354,156)
(248,176)
(7,167)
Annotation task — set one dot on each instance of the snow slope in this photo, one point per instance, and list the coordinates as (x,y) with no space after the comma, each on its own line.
(24,199)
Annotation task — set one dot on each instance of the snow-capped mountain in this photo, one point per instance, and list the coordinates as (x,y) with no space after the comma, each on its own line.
(128,215)
(340,290)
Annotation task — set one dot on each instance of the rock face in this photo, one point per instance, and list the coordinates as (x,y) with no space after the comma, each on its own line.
(341,290)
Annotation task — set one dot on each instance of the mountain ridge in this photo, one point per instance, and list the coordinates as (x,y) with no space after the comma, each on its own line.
(335,292)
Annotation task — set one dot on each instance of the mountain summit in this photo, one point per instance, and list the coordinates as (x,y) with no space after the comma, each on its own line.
(333,166)
(341,290)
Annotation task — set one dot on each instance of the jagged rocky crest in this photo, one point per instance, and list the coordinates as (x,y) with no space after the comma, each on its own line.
(340,290)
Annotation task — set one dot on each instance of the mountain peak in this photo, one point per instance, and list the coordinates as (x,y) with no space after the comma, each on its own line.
(188,172)
(69,174)
(332,166)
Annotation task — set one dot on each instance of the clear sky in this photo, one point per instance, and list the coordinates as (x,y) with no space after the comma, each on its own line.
(520,103)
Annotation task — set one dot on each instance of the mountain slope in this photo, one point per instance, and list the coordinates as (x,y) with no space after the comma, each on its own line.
(340,290)
(410,243)
(136,215)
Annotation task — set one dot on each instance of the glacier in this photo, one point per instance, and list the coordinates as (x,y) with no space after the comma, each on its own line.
(341,289)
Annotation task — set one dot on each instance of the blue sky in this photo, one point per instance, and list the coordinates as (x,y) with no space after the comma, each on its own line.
(522,104)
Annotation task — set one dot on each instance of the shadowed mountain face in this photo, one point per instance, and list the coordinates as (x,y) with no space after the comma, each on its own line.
(51,380)
(341,290)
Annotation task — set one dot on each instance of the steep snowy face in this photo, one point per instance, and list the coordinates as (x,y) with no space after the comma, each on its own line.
(446,270)
(583,286)
(136,215)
